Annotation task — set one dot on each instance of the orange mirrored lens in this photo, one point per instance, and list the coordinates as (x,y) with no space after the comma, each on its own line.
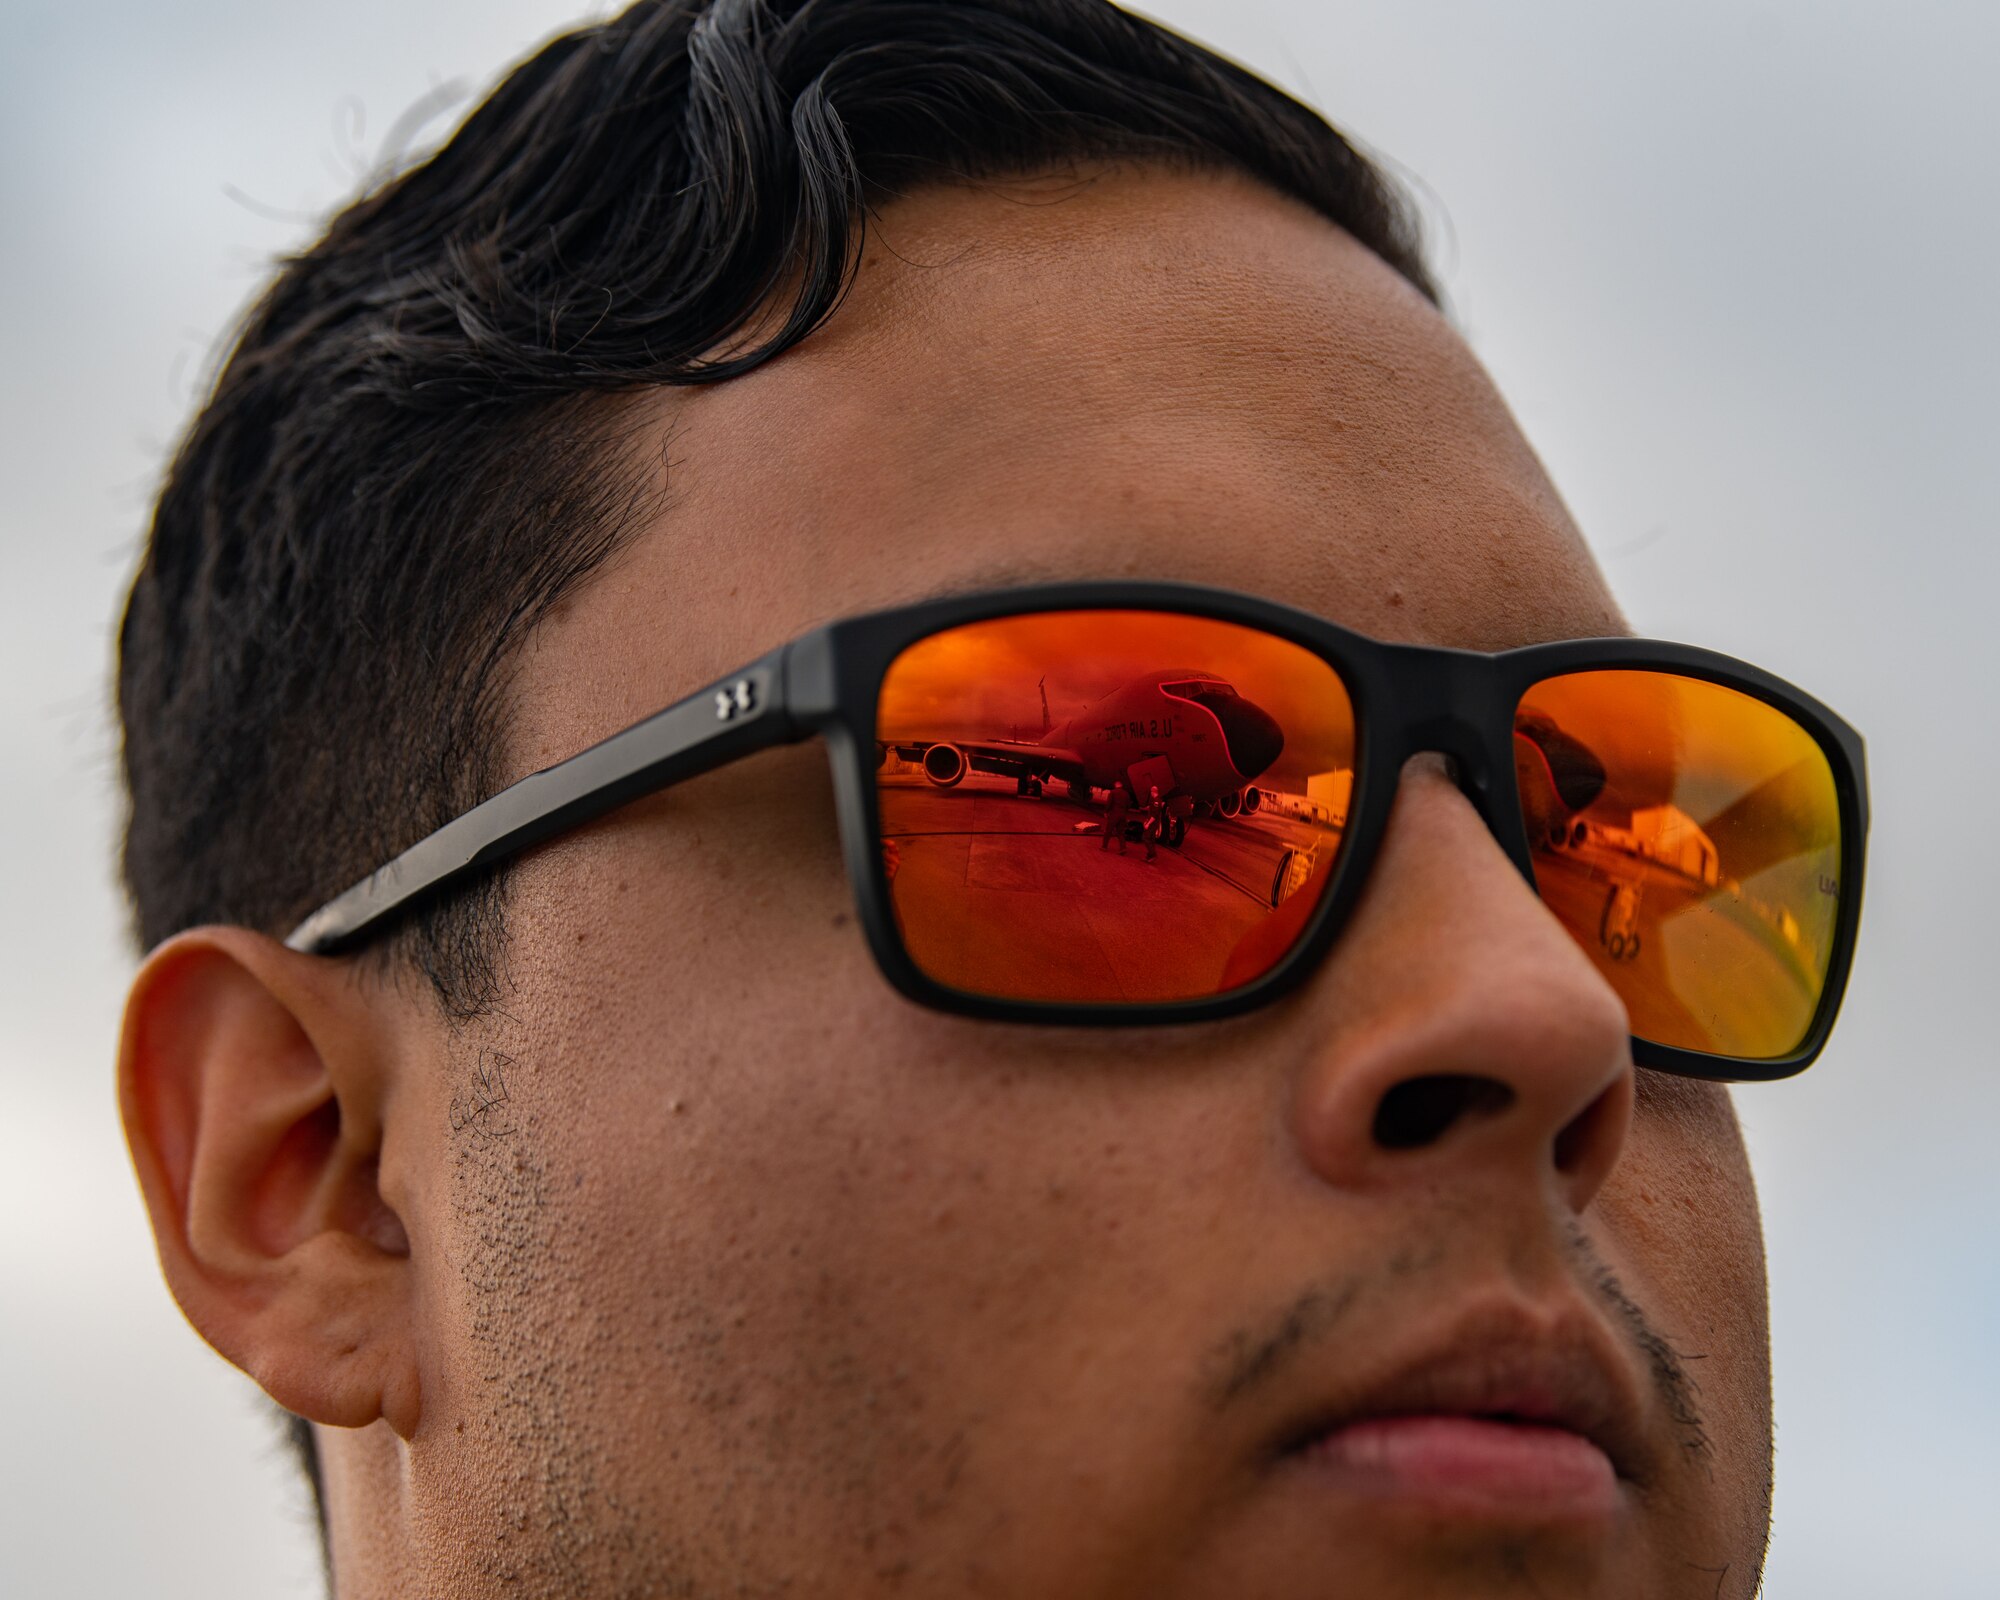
(1688,836)
(1109,807)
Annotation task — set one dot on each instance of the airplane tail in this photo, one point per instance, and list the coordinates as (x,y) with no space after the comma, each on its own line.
(1047,722)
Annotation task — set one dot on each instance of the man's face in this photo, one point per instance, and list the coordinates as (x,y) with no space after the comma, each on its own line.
(736,1269)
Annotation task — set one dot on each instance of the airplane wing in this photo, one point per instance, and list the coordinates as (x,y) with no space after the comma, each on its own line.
(1004,758)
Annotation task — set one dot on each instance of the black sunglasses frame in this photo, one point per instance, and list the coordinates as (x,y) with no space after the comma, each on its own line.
(1407,699)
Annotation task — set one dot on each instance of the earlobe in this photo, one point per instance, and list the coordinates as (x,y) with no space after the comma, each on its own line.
(252,1084)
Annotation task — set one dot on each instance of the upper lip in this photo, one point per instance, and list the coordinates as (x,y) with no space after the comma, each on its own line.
(1513,1363)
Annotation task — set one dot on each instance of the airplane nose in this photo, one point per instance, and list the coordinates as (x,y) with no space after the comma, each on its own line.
(1574,769)
(1252,734)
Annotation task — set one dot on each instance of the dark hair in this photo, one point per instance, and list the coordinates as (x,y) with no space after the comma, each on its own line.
(416,446)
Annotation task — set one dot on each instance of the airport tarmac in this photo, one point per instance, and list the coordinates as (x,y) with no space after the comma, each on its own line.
(1001,893)
(1710,970)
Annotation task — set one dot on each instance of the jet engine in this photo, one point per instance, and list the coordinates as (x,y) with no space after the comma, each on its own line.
(944,765)
(1253,797)
(1230,805)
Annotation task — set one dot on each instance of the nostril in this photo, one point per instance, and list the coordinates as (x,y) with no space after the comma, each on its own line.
(1420,1111)
(1585,1129)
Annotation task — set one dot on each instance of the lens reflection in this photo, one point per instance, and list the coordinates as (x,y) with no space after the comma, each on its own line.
(1688,836)
(1109,807)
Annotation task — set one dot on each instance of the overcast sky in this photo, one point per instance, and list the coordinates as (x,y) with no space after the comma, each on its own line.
(1731,262)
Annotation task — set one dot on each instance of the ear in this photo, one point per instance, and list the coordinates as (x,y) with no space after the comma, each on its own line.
(252,1083)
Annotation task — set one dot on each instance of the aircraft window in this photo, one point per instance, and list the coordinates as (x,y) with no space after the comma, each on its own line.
(1204,692)
(1251,735)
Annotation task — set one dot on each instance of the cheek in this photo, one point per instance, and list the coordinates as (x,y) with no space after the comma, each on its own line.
(806,1234)
(681,972)
(1684,1196)
(756,1168)
(1679,1223)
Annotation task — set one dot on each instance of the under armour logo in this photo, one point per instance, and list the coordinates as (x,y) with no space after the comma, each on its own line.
(739,697)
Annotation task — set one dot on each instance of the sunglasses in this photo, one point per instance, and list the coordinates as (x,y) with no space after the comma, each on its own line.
(1697,825)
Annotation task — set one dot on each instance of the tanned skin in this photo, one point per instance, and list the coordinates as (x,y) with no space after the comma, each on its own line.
(707,1265)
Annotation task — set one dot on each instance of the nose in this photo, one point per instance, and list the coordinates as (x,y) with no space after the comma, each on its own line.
(1459,1033)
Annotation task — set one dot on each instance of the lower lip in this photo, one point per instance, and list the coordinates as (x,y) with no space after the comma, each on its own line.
(1471,1465)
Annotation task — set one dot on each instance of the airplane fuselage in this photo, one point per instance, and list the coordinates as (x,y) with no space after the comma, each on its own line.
(1147,718)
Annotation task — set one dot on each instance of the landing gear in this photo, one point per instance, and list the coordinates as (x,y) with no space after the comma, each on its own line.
(1030,787)
(1618,928)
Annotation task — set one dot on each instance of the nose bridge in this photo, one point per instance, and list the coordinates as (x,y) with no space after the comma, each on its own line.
(1452,703)
(1466,1037)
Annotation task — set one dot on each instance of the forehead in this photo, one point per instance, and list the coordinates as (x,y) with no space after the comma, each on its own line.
(1143,373)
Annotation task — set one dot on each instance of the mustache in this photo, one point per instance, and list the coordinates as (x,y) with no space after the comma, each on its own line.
(1675,1387)
(1249,1358)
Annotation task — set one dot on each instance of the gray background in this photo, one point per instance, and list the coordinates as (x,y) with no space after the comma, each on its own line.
(1731,261)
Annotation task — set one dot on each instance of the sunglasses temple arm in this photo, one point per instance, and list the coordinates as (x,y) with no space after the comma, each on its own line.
(733,717)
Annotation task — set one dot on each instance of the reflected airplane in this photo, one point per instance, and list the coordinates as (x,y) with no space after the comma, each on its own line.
(1558,775)
(1653,859)
(1190,729)
(1624,779)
